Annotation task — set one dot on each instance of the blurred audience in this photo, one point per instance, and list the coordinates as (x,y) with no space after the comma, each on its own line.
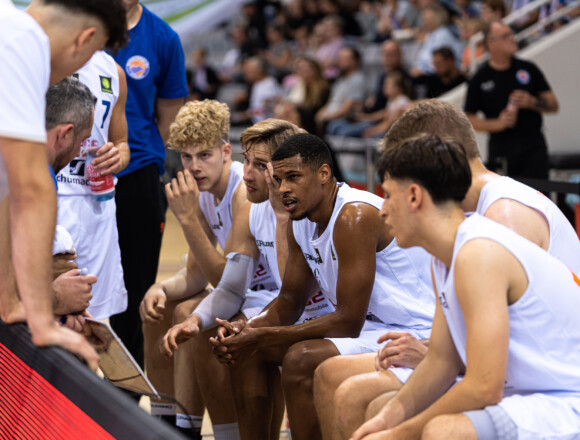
(203,81)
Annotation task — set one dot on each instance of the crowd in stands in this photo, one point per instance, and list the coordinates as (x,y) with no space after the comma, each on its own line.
(286,55)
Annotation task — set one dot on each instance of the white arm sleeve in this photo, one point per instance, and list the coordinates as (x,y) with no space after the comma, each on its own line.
(227,298)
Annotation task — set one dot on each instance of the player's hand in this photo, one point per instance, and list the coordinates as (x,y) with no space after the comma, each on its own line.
(72,292)
(62,263)
(178,334)
(153,304)
(67,339)
(237,346)
(402,350)
(227,329)
(76,322)
(274,195)
(183,196)
(522,99)
(107,159)
(507,119)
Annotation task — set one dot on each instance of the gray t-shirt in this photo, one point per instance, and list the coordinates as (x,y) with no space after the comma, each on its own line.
(351,87)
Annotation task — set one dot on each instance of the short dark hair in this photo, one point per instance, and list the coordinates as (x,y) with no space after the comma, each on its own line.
(111,13)
(69,102)
(436,117)
(445,52)
(354,52)
(313,150)
(440,166)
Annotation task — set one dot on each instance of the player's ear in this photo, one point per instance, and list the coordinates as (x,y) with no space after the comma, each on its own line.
(324,173)
(85,37)
(415,195)
(227,151)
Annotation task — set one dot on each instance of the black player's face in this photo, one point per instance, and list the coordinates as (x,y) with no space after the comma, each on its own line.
(256,159)
(298,186)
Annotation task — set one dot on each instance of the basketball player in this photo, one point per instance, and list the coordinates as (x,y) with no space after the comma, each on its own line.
(506,314)
(513,204)
(206,199)
(375,280)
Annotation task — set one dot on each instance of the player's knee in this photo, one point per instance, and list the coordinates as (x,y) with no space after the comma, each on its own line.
(181,312)
(299,364)
(437,428)
(324,375)
(345,398)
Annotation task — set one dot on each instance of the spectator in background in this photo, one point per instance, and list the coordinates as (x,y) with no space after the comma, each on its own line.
(468,28)
(446,77)
(156,88)
(346,95)
(204,82)
(437,35)
(492,10)
(335,7)
(311,91)
(332,42)
(512,94)
(392,61)
(375,124)
(278,55)
(233,61)
(264,92)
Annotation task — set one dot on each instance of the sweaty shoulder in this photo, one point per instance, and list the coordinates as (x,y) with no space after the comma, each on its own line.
(520,218)
(357,220)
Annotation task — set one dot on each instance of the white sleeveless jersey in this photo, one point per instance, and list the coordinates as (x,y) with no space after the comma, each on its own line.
(402,294)
(101,77)
(92,224)
(220,219)
(564,243)
(263,228)
(543,354)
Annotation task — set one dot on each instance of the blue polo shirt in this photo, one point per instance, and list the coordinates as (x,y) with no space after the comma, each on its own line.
(155,67)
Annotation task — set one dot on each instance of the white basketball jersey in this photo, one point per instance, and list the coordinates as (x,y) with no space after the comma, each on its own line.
(101,77)
(92,224)
(220,218)
(263,228)
(543,354)
(564,243)
(402,294)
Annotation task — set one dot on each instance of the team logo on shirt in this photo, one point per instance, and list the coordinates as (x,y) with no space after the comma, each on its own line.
(77,167)
(106,84)
(523,76)
(137,67)
(488,86)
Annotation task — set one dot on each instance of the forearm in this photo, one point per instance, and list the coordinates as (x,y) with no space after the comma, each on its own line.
(125,155)
(493,125)
(32,244)
(209,259)
(227,299)
(429,381)
(545,104)
(331,325)
(181,285)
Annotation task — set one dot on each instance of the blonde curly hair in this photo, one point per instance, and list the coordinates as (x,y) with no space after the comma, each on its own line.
(199,123)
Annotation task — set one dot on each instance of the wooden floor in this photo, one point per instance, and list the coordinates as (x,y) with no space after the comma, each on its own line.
(173,251)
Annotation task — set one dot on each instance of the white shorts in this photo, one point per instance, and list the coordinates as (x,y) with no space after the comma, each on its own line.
(93,228)
(256,301)
(367,343)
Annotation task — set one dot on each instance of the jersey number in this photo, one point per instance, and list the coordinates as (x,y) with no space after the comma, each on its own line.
(107,105)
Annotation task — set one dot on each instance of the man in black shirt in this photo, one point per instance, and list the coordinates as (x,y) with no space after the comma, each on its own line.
(512,94)
(446,77)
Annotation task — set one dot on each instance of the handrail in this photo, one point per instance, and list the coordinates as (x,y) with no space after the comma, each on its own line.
(512,18)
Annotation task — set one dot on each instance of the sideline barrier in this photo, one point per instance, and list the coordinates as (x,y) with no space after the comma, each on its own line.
(45,393)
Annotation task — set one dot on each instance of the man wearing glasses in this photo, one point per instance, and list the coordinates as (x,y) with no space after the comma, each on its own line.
(512,94)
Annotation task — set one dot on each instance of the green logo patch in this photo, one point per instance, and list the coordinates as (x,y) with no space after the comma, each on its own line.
(106,85)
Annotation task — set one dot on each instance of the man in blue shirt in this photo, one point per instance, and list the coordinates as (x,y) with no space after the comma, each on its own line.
(155,68)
